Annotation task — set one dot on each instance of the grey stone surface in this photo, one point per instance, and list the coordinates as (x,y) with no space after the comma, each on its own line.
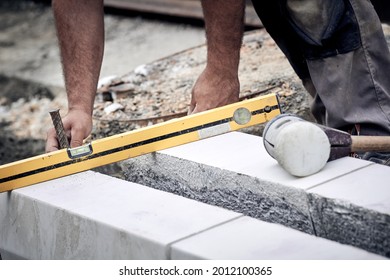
(355,208)
(331,218)
(92,216)
(244,194)
(5,255)
(350,224)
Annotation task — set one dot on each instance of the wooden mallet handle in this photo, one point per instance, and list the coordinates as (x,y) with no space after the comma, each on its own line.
(370,144)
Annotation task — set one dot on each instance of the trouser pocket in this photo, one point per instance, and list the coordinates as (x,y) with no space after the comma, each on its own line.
(326,27)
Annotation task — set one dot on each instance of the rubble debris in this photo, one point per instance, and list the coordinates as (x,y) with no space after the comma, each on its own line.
(161,90)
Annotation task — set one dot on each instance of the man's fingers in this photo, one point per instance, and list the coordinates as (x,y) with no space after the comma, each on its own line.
(77,125)
(195,110)
(52,144)
(51,141)
(77,138)
(191,109)
(192,104)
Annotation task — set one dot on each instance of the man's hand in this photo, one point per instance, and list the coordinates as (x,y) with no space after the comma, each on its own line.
(77,125)
(213,90)
(80,30)
(218,85)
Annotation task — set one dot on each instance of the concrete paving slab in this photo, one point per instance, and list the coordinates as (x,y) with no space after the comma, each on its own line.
(247,238)
(368,188)
(94,216)
(233,171)
(241,193)
(355,209)
(245,153)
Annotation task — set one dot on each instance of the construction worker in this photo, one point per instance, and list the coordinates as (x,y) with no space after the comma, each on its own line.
(336,47)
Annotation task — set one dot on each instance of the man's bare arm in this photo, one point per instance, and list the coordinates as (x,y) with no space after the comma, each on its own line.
(80,30)
(218,85)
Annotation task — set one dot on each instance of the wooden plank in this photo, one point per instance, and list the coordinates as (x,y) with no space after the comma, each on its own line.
(178,8)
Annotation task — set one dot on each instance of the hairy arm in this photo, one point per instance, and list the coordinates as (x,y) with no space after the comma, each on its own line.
(218,84)
(80,30)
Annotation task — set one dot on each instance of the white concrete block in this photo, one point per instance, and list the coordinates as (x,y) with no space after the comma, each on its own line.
(368,188)
(245,153)
(269,193)
(93,216)
(246,238)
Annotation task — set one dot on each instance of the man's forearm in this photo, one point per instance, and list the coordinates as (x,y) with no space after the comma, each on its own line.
(224,30)
(80,28)
(218,84)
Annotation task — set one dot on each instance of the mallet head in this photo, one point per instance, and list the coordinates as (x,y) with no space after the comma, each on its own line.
(300,147)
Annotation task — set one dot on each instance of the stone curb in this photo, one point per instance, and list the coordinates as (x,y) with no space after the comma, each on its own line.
(334,219)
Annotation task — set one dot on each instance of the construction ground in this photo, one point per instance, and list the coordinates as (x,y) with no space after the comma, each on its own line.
(31,82)
(149,67)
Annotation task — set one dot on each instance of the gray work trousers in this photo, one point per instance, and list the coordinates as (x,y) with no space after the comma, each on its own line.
(338,49)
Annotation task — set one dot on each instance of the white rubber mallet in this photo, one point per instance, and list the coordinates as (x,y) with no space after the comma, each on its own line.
(303,148)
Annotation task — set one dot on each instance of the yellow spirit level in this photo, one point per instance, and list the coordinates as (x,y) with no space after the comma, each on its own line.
(138,142)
